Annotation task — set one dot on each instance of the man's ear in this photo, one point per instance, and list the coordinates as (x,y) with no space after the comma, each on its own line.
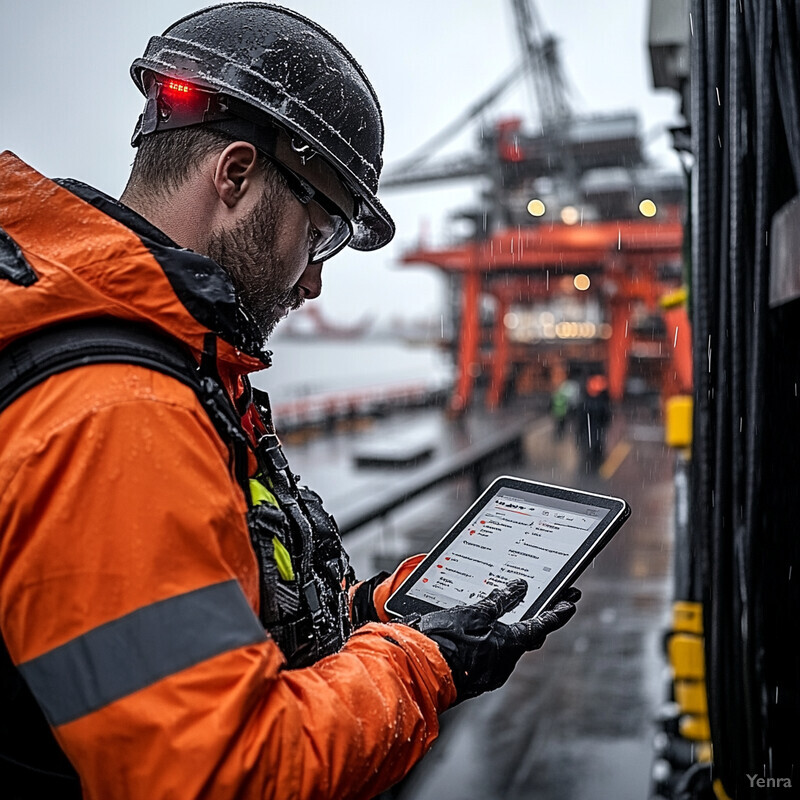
(235,172)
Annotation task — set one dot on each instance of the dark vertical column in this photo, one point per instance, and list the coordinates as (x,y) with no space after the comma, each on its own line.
(469,339)
(745,135)
(500,354)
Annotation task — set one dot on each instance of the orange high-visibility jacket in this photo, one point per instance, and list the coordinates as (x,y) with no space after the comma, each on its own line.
(128,585)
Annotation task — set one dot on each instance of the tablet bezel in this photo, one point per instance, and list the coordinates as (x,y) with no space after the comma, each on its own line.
(400,604)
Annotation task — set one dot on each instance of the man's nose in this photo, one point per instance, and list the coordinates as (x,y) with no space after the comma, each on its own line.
(310,282)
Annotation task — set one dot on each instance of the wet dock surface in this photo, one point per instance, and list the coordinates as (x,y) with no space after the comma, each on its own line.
(575,721)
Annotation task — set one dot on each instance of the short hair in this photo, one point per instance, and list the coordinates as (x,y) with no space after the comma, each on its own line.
(165,159)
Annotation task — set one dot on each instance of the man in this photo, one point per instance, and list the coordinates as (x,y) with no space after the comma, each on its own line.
(179,616)
(595,417)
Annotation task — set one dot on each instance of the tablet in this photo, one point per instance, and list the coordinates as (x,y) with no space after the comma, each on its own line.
(516,529)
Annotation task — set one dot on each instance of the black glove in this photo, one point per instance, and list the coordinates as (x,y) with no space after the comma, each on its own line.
(482,652)
(362,609)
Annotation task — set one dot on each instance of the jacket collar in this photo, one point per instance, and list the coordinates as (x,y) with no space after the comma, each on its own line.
(116,210)
(200,283)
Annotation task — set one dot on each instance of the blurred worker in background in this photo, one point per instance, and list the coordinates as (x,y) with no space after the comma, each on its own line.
(563,404)
(179,617)
(592,420)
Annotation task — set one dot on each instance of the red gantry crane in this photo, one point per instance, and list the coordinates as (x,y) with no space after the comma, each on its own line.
(577,241)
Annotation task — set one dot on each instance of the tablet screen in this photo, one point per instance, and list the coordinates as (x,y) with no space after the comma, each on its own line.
(515,534)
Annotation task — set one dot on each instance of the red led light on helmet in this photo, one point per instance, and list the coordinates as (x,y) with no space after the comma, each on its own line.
(178,87)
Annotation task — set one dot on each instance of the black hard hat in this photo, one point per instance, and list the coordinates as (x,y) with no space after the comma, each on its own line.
(290,70)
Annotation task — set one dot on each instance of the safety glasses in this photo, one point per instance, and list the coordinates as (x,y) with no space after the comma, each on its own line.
(174,103)
(331,229)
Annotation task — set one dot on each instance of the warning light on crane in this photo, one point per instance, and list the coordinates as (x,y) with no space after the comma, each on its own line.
(647,208)
(536,208)
(570,215)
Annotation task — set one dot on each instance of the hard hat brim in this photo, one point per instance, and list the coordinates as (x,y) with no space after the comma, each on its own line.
(288,69)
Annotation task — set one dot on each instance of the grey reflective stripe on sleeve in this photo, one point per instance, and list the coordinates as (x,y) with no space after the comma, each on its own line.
(127,654)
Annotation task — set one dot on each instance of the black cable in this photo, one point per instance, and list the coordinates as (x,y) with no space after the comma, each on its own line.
(730,516)
(763,106)
(700,301)
(714,314)
(786,66)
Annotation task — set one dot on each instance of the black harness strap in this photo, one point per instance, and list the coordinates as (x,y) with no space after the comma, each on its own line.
(32,359)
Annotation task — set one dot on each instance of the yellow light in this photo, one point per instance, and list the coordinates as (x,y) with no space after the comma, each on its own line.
(647,208)
(536,208)
(581,282)
(570,215)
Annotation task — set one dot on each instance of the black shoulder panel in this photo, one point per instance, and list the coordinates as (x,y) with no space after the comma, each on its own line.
(31,359)
(57,348)
(13,265)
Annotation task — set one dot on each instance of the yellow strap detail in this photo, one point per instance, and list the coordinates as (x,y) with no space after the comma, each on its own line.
(260,494)
(694,727)
(691,697)
(686,656)
(282,559)
(678,414)
(719,790)
(703,752)
(687,617)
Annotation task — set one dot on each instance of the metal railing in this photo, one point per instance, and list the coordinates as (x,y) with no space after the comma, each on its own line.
(476,461)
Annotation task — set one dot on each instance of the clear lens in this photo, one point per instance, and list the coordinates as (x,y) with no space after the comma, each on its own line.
(331,232)
(330,228)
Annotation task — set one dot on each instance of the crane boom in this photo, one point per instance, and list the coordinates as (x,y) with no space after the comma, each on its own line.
(540,51)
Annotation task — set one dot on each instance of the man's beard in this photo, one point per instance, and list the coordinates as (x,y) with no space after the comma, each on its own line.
(247,253)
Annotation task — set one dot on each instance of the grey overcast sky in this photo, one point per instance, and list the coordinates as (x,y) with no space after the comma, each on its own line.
(68,106)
